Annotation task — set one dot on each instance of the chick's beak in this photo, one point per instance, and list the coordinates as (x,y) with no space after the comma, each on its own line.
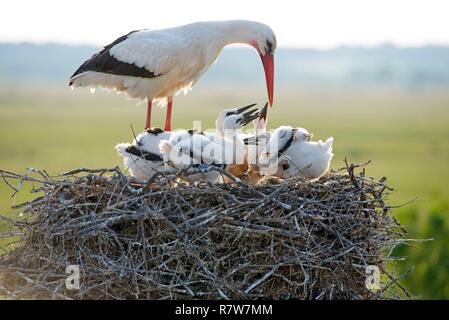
(243,109)
(263,112)
(249,116)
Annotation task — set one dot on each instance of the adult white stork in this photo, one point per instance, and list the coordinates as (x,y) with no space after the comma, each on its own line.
(158,64)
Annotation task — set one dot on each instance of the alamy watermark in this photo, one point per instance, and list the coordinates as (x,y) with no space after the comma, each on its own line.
(72,282)
(372,280)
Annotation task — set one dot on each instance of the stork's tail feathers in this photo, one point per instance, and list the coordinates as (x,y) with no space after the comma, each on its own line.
(121,149)
(73,79)
(327,145)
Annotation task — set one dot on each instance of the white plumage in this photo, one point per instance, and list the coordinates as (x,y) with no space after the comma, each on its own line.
(222,149)
(256,143)
(135,155)
(159,64)
(190,152)
(310,159)
(143,158)
(219,122)
(290,153)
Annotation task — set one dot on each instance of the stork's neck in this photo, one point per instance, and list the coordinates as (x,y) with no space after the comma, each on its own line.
(230,134)
(219,132)
(233,137)
(234,31)
(226,134)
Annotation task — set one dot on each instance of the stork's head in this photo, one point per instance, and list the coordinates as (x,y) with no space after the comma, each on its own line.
(281,142)
(265,44)
(219,123)
(284,136)
(260,37)
(233,123)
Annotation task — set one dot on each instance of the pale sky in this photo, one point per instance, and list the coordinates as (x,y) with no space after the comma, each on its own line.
(312,23)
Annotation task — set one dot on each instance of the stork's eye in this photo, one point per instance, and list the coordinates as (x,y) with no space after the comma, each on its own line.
(270,47)
(285,166)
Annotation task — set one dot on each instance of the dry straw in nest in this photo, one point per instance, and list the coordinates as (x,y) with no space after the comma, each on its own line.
(166,239)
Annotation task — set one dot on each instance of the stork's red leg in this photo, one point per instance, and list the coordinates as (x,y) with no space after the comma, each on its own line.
(148,123)
(168,116)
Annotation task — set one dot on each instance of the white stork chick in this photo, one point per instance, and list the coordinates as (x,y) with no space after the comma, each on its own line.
(201,151)
(236,170)
(291,153)
(255,144)
(219,122)
(143,158)
(189,152)
(260,126)
(231,143)
(230,137)
(158,64)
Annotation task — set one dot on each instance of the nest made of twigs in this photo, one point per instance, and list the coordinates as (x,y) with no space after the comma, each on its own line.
(165,239)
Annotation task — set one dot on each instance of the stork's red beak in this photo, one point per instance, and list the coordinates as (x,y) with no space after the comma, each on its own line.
(268,65)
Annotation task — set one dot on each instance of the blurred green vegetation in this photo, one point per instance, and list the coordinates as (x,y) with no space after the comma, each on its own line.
(405,134)
(430,278)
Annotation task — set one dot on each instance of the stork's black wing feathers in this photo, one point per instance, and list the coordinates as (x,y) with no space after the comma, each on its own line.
(144,154)
(194,131)
(104,62)
(250,140)
(253,140)
(288,143)
(154,131)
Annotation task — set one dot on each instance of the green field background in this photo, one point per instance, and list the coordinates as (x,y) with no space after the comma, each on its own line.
(404,132)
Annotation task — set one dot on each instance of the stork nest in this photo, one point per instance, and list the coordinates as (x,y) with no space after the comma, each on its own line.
(167,239)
